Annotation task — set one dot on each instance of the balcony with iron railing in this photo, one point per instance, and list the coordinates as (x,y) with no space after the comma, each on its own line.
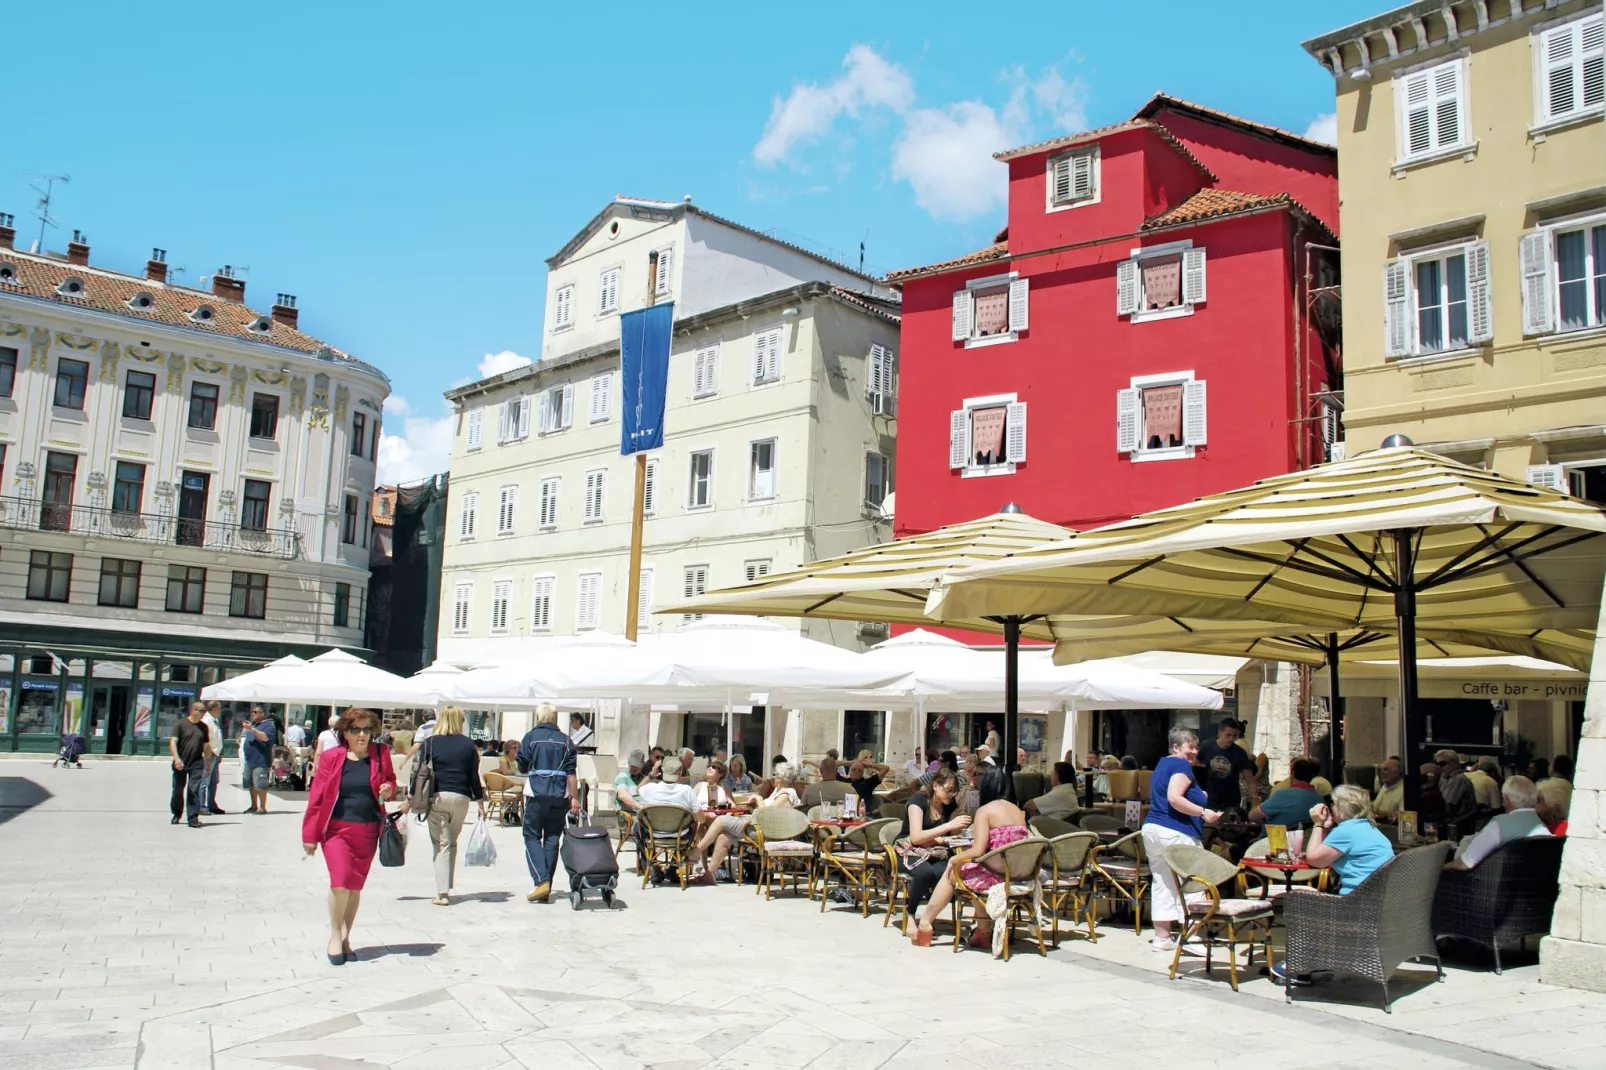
(152,528)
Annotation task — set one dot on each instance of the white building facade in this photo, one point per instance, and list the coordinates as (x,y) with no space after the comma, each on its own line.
(184,495)
(780,435)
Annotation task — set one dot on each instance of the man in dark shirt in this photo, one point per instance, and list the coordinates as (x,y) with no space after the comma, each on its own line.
(191,749)
(1229,770)
(256,758)
(551,793)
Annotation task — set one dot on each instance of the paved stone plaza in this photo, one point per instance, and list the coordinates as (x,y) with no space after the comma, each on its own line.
(127,942)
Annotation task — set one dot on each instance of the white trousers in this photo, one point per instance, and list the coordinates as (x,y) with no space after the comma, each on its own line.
(1165,899)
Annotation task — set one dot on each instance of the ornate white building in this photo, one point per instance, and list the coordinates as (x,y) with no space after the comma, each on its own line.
(184,494)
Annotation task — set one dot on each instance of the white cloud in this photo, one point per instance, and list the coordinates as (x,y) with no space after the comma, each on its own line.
(867,81)
(944,152)
(422,447)
(497,363)
(1324,128)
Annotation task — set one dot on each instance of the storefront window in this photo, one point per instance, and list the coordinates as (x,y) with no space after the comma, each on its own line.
(705,732)
(39,707)
(173,705)
(862,730)
(7,665)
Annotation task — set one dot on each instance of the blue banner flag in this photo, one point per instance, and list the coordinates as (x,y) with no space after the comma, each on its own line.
(644,368)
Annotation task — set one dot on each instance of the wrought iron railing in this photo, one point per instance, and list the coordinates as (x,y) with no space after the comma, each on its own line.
(163,528)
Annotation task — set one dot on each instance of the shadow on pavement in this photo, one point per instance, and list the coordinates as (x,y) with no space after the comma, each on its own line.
(18,795)
(414,951)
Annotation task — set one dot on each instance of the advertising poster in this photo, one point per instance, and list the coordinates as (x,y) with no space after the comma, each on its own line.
(992,312)
(143,705)
(1162,415)
(5,708)
(987,434)
(72,714)
(1033,731)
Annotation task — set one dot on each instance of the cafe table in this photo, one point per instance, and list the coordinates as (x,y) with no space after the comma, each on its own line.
(1287,869)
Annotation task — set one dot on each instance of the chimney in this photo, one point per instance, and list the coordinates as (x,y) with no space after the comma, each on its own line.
(156,266)
(226,286)
(8,230)
(78,249)
(284,310)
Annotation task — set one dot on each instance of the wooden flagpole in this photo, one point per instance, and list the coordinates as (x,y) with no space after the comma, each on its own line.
(638,510)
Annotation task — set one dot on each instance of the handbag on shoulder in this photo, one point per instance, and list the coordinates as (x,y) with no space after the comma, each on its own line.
(422,791)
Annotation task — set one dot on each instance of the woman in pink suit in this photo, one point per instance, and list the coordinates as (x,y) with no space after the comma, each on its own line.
(344,811)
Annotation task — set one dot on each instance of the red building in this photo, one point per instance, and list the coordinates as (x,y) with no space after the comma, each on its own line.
(1162,305)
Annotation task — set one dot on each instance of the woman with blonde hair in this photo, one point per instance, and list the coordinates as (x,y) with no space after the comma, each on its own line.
(737,779)
(457,783)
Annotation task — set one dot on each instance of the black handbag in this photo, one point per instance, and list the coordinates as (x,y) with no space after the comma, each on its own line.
(392,846)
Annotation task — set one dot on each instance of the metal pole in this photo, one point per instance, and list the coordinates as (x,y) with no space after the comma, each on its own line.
(1412,718)
(1011,741)
(1335,708)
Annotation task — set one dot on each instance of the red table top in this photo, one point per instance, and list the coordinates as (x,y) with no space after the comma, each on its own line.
(1267,863)
(840,823)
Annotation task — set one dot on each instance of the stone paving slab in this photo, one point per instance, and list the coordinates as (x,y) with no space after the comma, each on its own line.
(128,942)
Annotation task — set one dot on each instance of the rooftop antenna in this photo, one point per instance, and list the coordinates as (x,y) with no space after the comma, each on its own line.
(861,249)
(43,210)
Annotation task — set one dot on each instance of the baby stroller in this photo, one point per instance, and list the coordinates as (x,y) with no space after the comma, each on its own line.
(280,778)
(72,749)
(588,857)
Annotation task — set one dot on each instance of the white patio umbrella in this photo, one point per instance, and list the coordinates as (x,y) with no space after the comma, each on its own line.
(333,678)
(535,680)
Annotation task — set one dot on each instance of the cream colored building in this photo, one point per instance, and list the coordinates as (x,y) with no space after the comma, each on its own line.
(184,494)
(1473,184)
(780,439)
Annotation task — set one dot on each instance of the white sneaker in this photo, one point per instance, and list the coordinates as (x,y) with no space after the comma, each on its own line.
(1169,944)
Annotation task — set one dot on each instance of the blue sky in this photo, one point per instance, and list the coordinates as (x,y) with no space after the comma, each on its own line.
(406,169)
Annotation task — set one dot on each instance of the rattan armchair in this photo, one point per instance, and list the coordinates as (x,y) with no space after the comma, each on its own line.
(1120,872)
(897,877)
(1020,864)
(1097,822)
(1504,899)
(1069,880)
(855,861)
(1050,827)
(1213,918)
(784,851)
(1387,920)
(666,834)
(504,796)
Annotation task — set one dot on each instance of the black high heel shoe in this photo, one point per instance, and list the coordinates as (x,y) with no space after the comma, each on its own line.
(337,960)
(347,954)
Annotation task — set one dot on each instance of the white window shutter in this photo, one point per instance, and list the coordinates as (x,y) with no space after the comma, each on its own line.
(1553,476)
(1193,276)
(504,422)
(543,416)
(1480,306)
(660,284)
(699,361)
(1015,432)
(524,416)
(1448,113)
(1084,182)
(1397,308)
(476,428)
(1538,315)
(1592,60)
(1193,413)
(1017,304)
(649,489)
(1126,421)
(962,316)
(1126,287)
(567,418)
(1060,183)
(758,358)
(644,601)
(959,438)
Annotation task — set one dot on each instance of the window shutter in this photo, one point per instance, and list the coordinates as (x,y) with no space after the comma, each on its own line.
(1083,180)
(1015,432)
(880,378)
(1535,254)
(1017,304)
(1397,308)
(758,358)
(1060,183)
(601,396)
(959,438)
(1126,287)
(466,521)
(1447,110)
(644,601)
(504,422)
(1480,309)
(1416,135)
(476,428)
(1193,413)
(1193,276)
(585,617)
(608,291)
(1553,476)
(1126,421)
(961,315)
(524,416)
(543,420)
(699,361)
(567,417)
(1592,60)
(767,356)
(649,488)
(1560,49)
(541,604)
(661,280)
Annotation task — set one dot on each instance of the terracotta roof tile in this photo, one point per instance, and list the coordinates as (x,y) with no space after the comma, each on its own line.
(1210,204)
(109,291)
(1161,101)
(999,251)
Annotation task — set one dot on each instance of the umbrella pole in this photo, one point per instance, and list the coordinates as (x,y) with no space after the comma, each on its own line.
(1011,741)
(1412,718)
(1335,726)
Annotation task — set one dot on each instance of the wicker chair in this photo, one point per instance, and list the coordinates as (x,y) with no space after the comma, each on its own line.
(784,851)
(1216,919)
(504,797)
(1504,899)
(1050,827)
(627,828)
(666,833)
(897,879)
(1369,932)
(1020,864)
(856,861)
(1097,822)
(1069,879)
(1120,872)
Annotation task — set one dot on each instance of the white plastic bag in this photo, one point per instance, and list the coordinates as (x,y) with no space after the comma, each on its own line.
(481,851)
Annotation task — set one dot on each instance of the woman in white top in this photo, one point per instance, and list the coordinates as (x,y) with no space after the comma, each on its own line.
(710,791)
(726,829)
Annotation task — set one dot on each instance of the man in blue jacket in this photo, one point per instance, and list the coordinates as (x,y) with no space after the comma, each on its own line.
(546,757)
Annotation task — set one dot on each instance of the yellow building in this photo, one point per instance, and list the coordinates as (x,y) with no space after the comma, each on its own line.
(1472,175)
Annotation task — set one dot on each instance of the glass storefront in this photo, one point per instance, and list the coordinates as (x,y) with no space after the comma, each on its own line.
(39,706)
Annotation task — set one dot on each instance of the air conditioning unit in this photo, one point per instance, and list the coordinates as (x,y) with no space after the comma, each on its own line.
(873,629)
(883,403)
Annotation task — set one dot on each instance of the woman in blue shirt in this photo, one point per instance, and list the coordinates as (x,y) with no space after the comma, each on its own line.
(1177,815)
